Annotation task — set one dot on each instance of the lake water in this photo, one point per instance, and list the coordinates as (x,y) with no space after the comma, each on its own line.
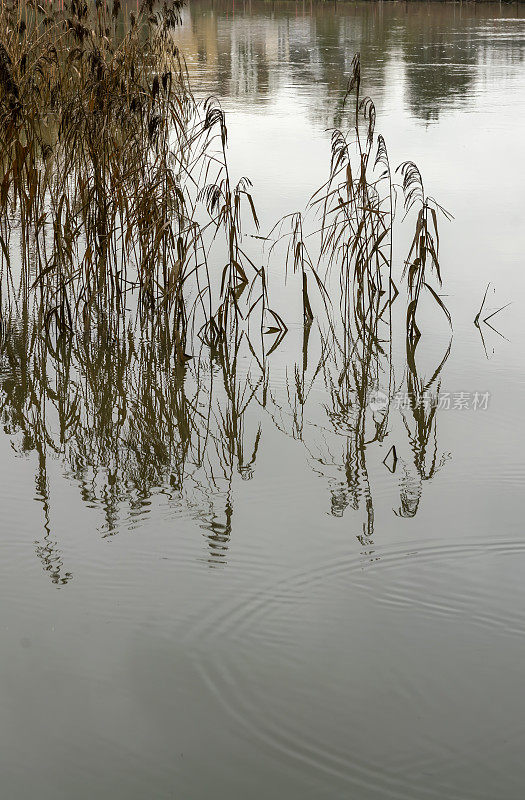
(241,596)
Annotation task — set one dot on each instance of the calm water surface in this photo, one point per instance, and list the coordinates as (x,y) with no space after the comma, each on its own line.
(294,618)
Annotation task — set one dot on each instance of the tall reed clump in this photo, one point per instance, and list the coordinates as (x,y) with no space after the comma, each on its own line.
(104,156)
(423,255)
(355,212)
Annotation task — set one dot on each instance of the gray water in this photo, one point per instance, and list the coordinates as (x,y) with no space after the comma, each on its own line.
(293,617)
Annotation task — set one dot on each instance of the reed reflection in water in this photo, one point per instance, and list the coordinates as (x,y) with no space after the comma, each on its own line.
(127,426)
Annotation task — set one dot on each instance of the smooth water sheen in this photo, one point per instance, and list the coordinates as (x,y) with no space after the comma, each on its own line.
(304,623)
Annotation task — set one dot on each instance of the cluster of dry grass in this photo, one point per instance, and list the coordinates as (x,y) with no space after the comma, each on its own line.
(112,180)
